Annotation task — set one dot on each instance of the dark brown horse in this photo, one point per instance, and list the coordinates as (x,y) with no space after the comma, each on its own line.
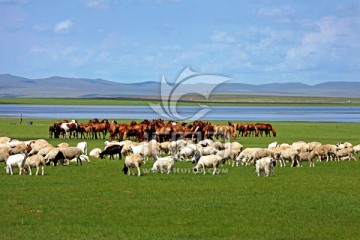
(101,127)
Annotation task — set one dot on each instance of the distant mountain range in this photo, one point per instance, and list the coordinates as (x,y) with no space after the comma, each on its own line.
(60,87)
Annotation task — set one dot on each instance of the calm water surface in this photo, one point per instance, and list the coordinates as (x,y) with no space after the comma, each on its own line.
(257,113)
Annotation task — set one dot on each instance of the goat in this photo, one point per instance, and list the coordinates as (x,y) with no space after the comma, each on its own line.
(14,161)
(34,161)
(83,146)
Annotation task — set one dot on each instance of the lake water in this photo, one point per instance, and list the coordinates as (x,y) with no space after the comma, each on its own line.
(240,113)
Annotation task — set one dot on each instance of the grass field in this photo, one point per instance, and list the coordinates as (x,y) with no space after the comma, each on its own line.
(214,100)
(97,201)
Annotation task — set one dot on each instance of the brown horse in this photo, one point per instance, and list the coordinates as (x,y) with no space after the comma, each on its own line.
(101,127)
(163,132)
(249,129)
(113,129)
(265,128)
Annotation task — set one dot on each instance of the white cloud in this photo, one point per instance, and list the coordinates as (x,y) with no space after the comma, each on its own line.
(63,27)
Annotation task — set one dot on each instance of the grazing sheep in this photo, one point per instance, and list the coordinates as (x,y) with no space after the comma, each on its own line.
(306,156)
(111,150)
(228,154)
(72,152)
(95,152)
(133,161)
(265,165)
(62,154)
(203,151)
(185,153)
(163,164)
(246,156)
(210,161)
(326,150)
(34,161)
(289,154)
(14,161)
(54,155)
(264,152)
(347,153)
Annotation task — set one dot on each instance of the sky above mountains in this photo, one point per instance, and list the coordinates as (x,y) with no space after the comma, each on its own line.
(259,41)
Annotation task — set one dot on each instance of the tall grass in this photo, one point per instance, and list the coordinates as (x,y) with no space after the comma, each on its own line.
(97,201)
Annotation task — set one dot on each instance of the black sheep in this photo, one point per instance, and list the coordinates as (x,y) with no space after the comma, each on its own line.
(111,150)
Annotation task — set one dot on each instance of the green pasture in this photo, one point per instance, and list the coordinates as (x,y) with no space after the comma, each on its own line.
(189,100)
(97,201)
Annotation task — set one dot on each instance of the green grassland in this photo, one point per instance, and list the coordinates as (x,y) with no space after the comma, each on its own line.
(97,201)
(214,100)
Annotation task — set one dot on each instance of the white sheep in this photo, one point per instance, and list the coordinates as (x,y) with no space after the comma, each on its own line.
(34,161)
(72,152)
(265,165)
(228,154)
(209,161)
(163,164)
(273,144)
(95,152)
(185,153)
(347,153)
(306,156)
(289,154)
(264,152)
(142,150)
(203,151)
(133,161)
(246,156)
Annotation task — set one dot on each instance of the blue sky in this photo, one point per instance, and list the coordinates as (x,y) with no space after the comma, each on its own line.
(259,41)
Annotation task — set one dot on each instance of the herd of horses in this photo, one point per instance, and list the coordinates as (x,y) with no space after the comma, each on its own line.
(157,129)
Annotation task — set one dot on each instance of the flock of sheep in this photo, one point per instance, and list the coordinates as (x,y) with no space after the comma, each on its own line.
(211,154)
(206,154)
